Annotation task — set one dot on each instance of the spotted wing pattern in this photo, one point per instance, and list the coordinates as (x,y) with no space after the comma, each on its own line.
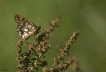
(25,28)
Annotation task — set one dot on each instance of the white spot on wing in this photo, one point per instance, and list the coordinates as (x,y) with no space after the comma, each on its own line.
(26,23)
(29,26)
(19,34)
(30,32)
(18,29)
(25,29)
(32,27)
(16,18)
(21,24)
(25,34)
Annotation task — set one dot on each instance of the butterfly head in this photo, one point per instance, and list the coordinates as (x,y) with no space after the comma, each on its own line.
(38,29)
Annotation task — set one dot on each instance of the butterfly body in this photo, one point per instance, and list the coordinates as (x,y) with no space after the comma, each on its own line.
(25,28)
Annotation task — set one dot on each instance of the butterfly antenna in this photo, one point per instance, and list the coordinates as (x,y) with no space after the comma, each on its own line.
(44,21)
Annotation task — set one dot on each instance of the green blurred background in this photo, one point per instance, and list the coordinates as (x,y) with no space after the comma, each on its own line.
(87,16)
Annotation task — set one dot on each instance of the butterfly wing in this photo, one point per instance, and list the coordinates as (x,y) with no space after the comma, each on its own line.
(25,28)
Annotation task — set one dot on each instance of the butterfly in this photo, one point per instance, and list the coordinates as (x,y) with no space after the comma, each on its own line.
(25,28)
